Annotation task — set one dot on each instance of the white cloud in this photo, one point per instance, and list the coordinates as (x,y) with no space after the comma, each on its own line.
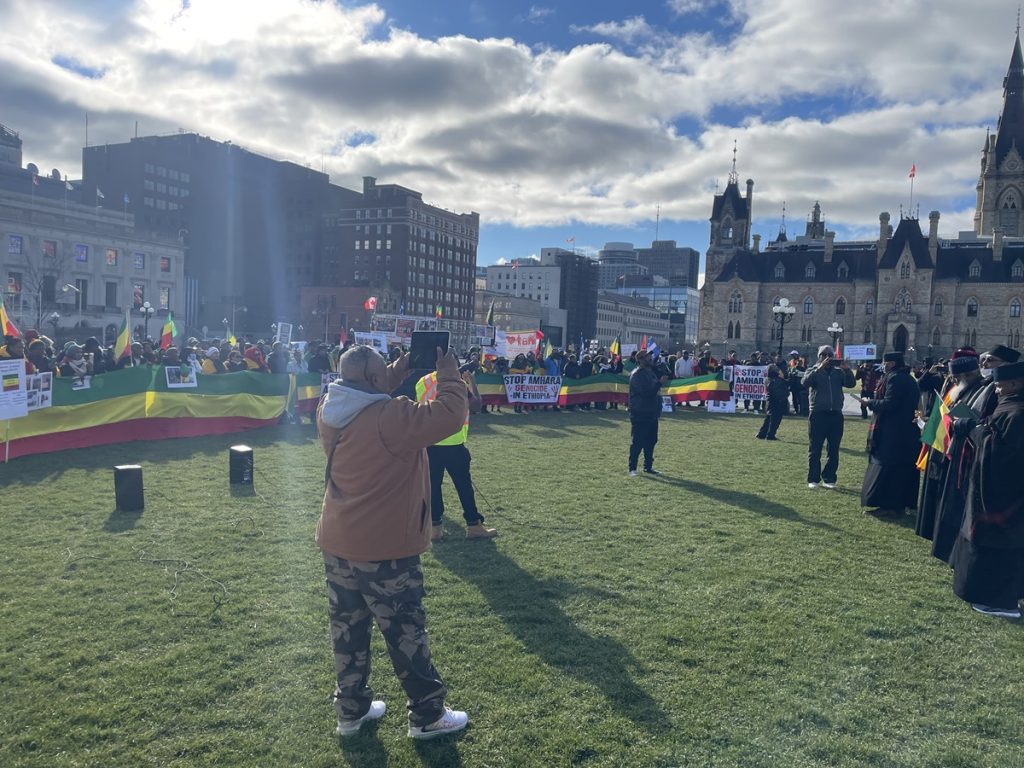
(538,13)
(538,137)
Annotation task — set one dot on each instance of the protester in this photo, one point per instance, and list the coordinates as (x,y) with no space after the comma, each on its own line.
(212,364)
(254,359)
(644,412)
(988,558)
(869,377)
(890,483)
(36,355)
(236,362)
(452,456)
(75,364)
(373,529)
(778,403)
(685,367)
(170,357)
(14,349)
(797,369)
(277,360)
(825,383)
(985,403)
(320,362)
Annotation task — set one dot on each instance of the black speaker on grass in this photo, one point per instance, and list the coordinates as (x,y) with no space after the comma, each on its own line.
(128,488)
(240,465)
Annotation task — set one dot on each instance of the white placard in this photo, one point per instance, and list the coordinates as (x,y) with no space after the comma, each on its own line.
(529,388)
(39,391)
(13,399)
(666,404)
(748,382)
(721,406)
(861,352)
(325,381)
(181,376)
(284,333)
(376,339)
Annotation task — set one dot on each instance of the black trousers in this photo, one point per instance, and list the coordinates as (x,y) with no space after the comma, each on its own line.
(645,437)
(824,427)
(771,422)
(453,459)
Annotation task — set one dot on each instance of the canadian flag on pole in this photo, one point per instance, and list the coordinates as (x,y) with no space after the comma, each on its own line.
(370,305)
(913,171)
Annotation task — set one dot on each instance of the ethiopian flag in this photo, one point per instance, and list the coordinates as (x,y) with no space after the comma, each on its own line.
(10,382)
(169,331)
(123,345)
(616,347)
(6,326)
(438,312)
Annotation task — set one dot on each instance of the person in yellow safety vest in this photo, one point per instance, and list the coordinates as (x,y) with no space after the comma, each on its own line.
(451,455)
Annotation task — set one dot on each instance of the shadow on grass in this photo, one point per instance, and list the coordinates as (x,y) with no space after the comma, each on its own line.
(120,521)
(745,501)
(364,749)
(529,608)
(439,754)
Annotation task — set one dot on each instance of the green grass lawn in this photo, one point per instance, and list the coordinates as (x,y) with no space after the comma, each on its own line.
(722,615)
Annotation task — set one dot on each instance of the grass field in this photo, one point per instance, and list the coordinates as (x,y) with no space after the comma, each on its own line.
(722,615)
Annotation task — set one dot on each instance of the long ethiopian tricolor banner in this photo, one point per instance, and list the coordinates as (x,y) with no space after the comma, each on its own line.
(611,388)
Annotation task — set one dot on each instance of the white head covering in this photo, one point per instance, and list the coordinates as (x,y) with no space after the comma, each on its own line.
(213,352)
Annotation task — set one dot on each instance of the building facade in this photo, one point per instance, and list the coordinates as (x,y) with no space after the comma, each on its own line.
(909,290)
(511,313)
(617,263)
(630,319)
(666,259)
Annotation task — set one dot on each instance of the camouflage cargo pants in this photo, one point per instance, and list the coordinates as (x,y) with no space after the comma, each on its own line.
(391,593)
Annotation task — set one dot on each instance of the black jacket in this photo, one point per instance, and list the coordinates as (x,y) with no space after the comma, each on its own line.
(893,437)
(644,401)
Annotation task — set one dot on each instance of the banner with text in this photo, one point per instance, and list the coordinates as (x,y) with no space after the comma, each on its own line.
(527,388)
(748,382)
(519,343)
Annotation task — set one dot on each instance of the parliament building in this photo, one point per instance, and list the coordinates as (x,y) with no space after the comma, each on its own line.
(909,290)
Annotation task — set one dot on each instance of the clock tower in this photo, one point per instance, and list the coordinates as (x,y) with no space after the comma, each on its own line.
(1001,183)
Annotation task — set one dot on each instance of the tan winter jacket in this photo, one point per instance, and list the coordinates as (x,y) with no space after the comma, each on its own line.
(377,502)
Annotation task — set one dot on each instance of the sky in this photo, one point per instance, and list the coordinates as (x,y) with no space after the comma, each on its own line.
(583,122)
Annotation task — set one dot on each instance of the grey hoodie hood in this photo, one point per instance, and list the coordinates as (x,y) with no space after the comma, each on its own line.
(344,402)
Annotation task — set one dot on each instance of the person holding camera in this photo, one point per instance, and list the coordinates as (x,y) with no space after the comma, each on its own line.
(824,382)
(373,527)
(644,412)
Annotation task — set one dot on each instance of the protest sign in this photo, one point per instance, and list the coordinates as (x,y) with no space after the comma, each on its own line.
(284,333)
(721,406)
(748,382)
(13,399)
(861,352)
(325,381)
(519,343)
(180,377)
(39,391)
(628,349)
(528,388)
(377,340)
(666,404)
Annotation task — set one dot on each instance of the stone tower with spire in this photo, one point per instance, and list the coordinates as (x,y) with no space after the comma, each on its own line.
(1001,183)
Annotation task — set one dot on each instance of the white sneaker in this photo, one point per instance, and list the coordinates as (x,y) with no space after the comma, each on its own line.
(830,486)
(633,473)
(375,712)
(812,485)
(988,610)
(452,721)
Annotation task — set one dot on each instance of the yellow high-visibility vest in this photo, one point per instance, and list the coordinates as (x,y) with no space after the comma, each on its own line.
(426,390)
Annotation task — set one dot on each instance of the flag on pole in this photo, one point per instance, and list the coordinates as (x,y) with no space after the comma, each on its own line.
(571,240)
(231,338)
(913,171)
(653,349)
(643,343)
(123,344)
(126,200)
(489,320)
(35,179)
(170,330)
(548,349)
(540,338)
(839,350)
(616,347)
(370,305)
(439,312)
(515,265)
(6,326)
(99,194)
(67,186)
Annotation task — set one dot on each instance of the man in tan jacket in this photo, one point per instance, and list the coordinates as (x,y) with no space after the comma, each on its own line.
(374,526)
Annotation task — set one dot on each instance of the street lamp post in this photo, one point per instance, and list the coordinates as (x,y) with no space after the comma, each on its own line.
(147,312)
(783,312)
(835,330)
(54,317)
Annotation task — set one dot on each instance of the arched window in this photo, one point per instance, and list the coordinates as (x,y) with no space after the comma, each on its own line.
(780,271)
(808,306)
(867,334)
(905,269)
(1015,308)
(1017,270)
(972,307)
(903,302)
(727,229)
(975,269)
(841,306)
(729,332)
(810,271)
(842,271)
(1008,212)
(1016,340)
(974,338)
(936,337)
(869,308)
(736,303)
(938,307)
(737,329)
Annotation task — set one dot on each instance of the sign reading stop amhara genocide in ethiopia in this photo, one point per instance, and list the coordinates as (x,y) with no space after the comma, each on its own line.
(748,382)
(527,388)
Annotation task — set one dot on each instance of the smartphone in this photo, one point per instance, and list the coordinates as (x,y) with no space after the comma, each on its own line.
(423,350)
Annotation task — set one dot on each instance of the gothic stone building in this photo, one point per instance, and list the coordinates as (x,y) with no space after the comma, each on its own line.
(908,290)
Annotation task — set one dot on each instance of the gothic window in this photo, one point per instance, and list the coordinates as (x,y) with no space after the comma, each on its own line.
(1015,308)
(736,303)
(975,269)
(1017,270)
(867,334)
(727,229)
(1016,340)
(1008,213)
(780,271)
(841,306)
(808,306)
(869,308)
(905,269)
(842,271)
(974,338)
(903,302)
(728,334)
(810,272)
(972,307)
(938,307)
(737,329)
(936,338)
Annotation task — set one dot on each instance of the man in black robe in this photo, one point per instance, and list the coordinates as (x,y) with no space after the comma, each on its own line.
(988,559)
(890,483)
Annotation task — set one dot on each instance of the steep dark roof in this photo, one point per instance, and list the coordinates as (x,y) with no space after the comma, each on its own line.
(907,233)
(732,194)
(1011,122)
(760,267)
(955,259)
